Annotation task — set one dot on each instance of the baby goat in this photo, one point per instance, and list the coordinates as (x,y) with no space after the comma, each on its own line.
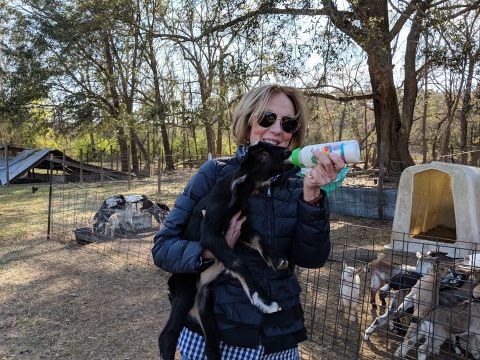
(189,293)
(350,292)
(119,219)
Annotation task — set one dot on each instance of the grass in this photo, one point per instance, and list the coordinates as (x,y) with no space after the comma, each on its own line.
(24,215)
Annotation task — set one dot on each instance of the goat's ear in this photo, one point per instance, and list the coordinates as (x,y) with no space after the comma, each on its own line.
(360,269)
(419,255)
(237,182)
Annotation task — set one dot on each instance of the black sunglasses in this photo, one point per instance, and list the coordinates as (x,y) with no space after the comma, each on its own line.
(289,124)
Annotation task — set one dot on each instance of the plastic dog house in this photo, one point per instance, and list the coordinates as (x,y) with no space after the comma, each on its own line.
(438,208)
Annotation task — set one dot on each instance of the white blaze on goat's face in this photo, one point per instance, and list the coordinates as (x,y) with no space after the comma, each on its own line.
(348,273)
(424,265)
(472,260)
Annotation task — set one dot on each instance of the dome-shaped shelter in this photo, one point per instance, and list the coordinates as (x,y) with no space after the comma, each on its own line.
(438,208)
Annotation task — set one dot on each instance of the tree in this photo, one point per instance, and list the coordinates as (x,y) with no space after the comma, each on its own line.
(370,25)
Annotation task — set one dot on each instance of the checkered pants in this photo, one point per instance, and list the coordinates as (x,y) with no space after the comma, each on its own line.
(192,346)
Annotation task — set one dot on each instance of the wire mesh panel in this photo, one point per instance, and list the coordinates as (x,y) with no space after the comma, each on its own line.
(360,316)
(86,213)
(348,314)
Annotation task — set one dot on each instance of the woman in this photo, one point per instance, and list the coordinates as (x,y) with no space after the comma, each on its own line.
(292,215)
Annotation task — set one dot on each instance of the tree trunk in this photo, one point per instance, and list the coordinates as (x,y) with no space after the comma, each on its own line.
(466,108)
(160,107)
(373,35)
(122,142)
(210,137)
(387,114)
(143,150)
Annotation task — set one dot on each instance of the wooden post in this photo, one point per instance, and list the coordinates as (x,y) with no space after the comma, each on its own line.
(159,181)
(381,180)
(128,167)
(81,166)
(7,169)
(101,168)
(111,157)
(63,167)
(50,192)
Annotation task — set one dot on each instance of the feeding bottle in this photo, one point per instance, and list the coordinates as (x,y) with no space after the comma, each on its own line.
(348,150)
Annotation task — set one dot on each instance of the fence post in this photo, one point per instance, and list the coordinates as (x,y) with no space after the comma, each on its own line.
(128,167)
(381,180)
(7,169)
(101,168)
(63,167)
(81,167)
(111,157)
(159,181)
(50,191)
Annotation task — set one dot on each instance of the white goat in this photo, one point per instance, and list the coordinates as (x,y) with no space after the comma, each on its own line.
(440,318)
(446,323)
(350,292)
(119,219)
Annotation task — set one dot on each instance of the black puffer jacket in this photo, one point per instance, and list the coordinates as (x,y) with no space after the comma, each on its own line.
(300,232)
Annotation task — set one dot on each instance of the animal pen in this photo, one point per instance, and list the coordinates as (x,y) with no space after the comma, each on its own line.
(358,237)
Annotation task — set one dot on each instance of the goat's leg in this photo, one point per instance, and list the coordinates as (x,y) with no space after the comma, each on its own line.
(473,345)
(409,341)
(383,292)
(236,267)
(434,339)
(209,326)
(182,289)
(251,239)
(373,303)
(380,321)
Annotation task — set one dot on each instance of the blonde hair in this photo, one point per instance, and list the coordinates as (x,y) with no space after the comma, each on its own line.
(254,102)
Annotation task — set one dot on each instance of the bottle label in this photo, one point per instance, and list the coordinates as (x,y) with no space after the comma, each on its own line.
(337,148)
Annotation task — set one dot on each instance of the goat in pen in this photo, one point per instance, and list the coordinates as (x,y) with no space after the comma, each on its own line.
(402,282)
(350,293)
(442,295)
(189,293)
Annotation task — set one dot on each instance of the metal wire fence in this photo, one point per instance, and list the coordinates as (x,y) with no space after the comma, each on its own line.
(338,312)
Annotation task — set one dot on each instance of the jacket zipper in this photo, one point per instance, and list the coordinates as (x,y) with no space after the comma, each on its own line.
(269,227)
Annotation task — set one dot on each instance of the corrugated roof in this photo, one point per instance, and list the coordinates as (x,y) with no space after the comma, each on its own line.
(38,158)
(22,163)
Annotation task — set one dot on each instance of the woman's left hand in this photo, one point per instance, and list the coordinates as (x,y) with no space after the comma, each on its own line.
(322,174)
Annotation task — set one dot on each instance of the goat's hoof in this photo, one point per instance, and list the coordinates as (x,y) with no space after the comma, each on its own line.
(263,305)
(274,307)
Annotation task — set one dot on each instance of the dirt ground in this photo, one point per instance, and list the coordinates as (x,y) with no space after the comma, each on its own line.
(62,302)
(106,300)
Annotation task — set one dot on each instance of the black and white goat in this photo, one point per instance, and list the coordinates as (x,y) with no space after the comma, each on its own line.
(404,277)
(109,207)
(158,210)
(119,220)
(189,293)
